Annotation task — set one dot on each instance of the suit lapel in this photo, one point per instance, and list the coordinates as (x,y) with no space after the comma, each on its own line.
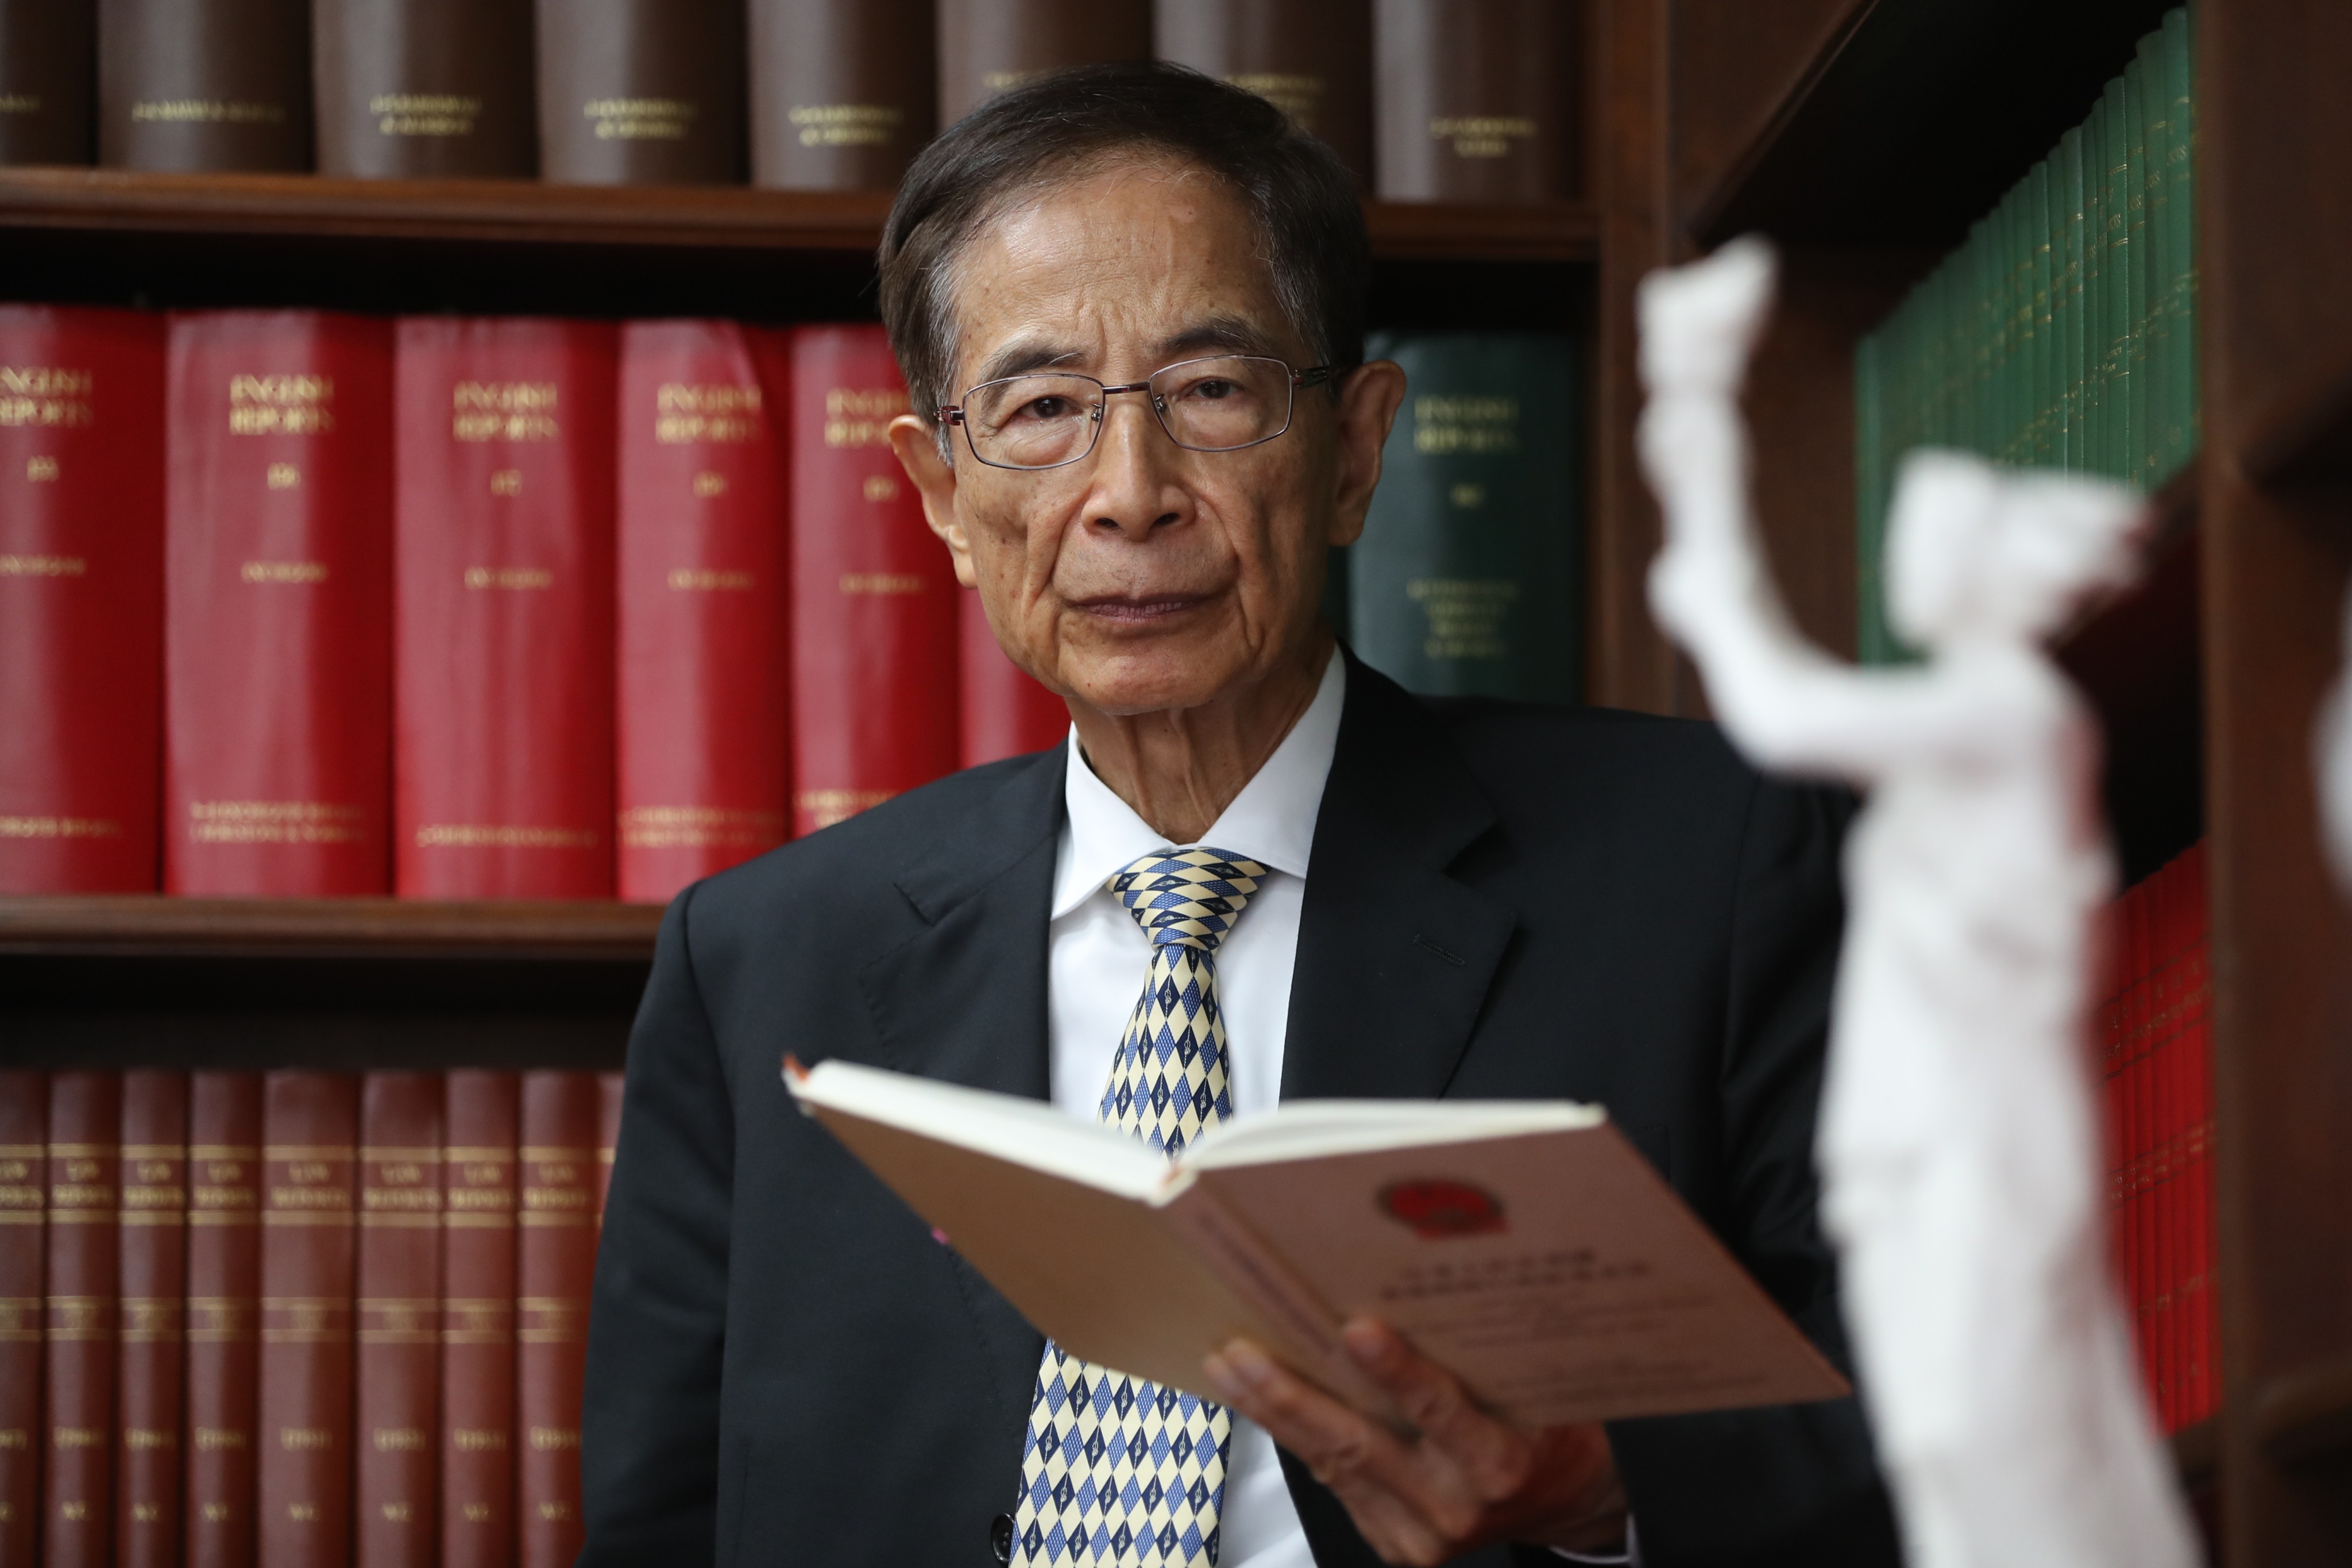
(1394,955)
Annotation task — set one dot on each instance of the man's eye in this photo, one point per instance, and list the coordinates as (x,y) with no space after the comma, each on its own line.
(1211,391)
(1046,408)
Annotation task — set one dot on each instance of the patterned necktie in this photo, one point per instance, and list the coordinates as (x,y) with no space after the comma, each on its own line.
(1119,1470)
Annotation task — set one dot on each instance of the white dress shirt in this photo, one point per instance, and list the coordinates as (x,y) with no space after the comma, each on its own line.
(1095,972)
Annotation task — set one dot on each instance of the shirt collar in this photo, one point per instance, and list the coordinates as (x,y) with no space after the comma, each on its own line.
(1272,821)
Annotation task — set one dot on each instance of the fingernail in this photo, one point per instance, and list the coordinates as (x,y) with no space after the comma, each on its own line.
(1365,1341)
(1249,1364)
(1221,1377)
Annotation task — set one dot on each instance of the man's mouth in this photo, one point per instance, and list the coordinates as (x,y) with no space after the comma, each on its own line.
(1139,609)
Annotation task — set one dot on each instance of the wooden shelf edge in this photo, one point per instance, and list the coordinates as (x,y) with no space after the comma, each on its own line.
(704,217)
(2304,431)
(1706,223)
(148,925)
(2304,1414)
(2171,527)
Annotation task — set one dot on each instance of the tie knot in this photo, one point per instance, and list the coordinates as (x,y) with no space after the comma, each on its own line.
(1188,897)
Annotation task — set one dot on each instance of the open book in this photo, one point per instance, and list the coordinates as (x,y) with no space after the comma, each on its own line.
(1524,1245)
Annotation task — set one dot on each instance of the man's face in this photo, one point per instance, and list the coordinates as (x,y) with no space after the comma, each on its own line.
(1144,576)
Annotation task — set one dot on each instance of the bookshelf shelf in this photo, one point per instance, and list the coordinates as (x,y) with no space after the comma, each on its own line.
(2301,1415)
(1972,90)
(147,926)
(2303,432)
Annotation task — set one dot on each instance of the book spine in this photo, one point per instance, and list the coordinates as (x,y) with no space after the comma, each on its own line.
(611,1089)
(48,68)
(842,91)
(2163,1067)
(2136,247)
(82,589)
(1465,579)
(1310,59)
(988,46)
(224,1313)
(641,92)
(477,1301)
(702,779)
(2204,1349)
(24,1197)
(873,616)
(502,640)
(154,1241)
(2155,364)
(2066,299)
(309,1148)
(1004,711)
(423,88)
(2115,361)
(2181,256)
(278,640)
(220,85)
(1472,100)
(83,1285)
(554,1271)
(398,1422)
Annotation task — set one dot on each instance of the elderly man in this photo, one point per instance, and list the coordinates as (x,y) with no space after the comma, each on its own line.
(1129,305)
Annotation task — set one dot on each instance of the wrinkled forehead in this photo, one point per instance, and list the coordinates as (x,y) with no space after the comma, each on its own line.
(1113,271)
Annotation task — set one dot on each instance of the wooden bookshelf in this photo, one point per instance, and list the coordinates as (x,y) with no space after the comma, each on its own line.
(149,926)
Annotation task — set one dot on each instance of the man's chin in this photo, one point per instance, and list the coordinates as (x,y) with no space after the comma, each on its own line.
(1176,673)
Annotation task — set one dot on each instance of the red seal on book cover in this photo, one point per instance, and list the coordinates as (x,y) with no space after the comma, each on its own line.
(1438,1210)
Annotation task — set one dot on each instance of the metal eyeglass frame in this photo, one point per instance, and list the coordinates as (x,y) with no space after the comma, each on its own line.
(1313,375)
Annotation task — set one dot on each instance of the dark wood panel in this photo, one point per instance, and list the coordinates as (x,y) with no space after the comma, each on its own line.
(122,925)
(2302,432)
(1915,115)
(1736,63)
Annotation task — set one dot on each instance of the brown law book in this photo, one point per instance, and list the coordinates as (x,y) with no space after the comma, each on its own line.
(641,92)
(24,1184)
(1311,58)
(84,1273)
(310,1136)
(399,1425)
(223,1315)
(47,71)
(196,85)
(842,91)
(988,46)
(478,1297)
(1523,1244)
(555,1267)
(1474,100)
(154,1239)
(423,88)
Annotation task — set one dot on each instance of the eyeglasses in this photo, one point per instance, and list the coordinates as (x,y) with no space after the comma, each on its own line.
(1220,405)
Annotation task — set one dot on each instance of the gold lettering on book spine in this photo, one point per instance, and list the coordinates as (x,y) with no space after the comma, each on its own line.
(424,114)
(280,405)
(640,119)
(46,397)
(846,124)
(504,411)
(855,416)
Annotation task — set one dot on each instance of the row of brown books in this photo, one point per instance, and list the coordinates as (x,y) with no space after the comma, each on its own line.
(1466,100)
(299,604)
(300,1318)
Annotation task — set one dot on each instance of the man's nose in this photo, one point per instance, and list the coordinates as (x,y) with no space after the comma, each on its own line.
(1134,470)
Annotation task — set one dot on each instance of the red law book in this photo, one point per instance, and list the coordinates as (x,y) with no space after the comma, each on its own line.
(502,633)
(24,1184)
(2172,1213)
(701,775)
(2136,1114)
(224,1315)
(399,1294)
(277,589)
(154,1241)
(874,597)
(477,1302)
(555,1267)
(310,1136)
(81,598)
(84,1275)
(1005,711)
(2203,1373)
(610,1086)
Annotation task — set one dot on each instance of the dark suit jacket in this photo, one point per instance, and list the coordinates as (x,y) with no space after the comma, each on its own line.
(783,1367)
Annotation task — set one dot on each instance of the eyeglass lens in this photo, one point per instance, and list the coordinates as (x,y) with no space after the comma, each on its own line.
(1204,404)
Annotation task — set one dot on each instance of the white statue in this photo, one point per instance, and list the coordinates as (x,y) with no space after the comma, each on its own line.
(2335,749)
(1958,1146)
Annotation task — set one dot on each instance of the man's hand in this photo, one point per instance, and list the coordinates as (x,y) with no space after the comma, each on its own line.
(1461,1480)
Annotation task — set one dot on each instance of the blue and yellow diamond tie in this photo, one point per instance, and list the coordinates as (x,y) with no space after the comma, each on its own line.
(1120,1471)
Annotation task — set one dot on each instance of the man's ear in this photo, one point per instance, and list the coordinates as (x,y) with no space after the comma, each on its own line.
(917,443)
(1368,400)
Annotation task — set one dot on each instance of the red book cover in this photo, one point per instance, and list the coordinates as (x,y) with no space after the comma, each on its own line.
(309,1137)
(502,633)
(154,1239)
(2163,1054)
(2202,1373)
(701,772)
(1006,713)
(2138,1119)
(478,1301)
(81,598)
(610,1087)
(874,595)
(397,1522)
(223,1316)
(2110,1055)
(24,1194)
(84,1276)
(278,617)
(555,1267)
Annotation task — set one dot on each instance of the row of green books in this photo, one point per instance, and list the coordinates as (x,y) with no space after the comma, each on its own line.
(2063,333)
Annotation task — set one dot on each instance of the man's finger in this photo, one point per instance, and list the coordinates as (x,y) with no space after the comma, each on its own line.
(1333,1439)
(1493,1454)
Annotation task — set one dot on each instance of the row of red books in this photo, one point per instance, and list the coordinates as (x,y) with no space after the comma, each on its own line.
(301,1319)
(2155,1026)
(296,604)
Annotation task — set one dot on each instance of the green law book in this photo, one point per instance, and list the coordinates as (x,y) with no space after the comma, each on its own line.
(2180,256)
(2114,352)
(1465,580)
(2154,366)
(2000,226)
(2024,225)
(2049,265)
(1869,497)
(2136,255)
(2067,306)
(2094,167)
